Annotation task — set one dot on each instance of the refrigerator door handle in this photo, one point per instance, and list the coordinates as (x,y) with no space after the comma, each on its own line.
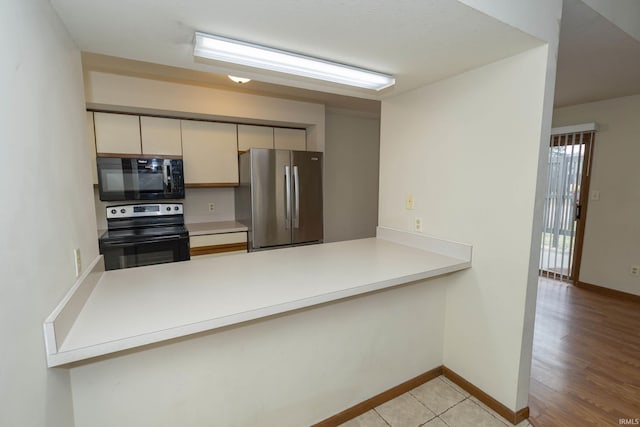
(296,195)
(287,201)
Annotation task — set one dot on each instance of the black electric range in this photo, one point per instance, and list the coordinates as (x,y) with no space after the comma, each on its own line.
(144,234)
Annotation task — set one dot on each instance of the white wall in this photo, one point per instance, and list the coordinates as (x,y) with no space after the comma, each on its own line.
(125,93)
(286,371)
(612,234)
(467,148)
(46,180)
(352,155)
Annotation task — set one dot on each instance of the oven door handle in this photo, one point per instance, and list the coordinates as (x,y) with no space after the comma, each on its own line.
(143,242)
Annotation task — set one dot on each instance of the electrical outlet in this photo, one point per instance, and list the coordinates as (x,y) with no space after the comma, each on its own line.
(212,207)
(77,261)
(418,224)
(635,270)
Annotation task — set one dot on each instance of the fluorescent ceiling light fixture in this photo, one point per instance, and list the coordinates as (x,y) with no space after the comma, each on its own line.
(238,52)
(239,80)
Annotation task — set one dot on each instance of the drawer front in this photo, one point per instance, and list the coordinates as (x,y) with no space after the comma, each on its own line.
(218,239)
(218,243)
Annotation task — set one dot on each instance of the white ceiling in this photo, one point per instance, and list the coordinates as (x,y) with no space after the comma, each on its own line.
(419,42)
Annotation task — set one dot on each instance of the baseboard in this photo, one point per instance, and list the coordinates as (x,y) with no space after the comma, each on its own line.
(503,411)
(379,399)
(608,292)
(385,396)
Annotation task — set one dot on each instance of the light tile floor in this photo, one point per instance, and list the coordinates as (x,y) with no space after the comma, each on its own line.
(437,403)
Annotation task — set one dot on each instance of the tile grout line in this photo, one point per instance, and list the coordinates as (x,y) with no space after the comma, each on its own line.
(435,415)
(426,406)
(499,419)
(383,418)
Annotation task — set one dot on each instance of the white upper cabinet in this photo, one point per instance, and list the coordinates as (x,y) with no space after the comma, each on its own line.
(91,142)
(117,133)
(250,136)
(290,139)
(210,153)
(160,136)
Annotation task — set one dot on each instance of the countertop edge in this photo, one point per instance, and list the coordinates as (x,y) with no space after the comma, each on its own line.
(104,349)
(64,315)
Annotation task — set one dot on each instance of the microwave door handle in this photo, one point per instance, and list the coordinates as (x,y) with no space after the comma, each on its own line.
(168,177)
(296,195)
(287,200)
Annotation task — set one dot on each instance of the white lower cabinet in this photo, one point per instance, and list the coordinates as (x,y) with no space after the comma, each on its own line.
(210,154)
(213,244)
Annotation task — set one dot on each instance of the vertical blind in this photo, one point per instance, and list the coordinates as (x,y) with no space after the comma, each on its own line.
(569,161)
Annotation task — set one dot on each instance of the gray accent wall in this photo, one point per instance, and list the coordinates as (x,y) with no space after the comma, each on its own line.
(352,158)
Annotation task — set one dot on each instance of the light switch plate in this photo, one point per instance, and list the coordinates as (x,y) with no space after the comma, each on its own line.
(77,261)
(410,202)
(595,195)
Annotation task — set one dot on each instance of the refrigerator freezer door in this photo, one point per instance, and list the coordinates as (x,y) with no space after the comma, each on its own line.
(271,195)
(306,168)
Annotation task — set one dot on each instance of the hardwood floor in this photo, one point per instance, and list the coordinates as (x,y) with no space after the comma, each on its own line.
(586,359)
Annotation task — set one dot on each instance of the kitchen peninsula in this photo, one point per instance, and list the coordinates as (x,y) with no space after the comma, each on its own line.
(108,312)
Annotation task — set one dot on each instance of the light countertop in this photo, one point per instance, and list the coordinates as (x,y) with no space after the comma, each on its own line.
(215,227)
(137,306)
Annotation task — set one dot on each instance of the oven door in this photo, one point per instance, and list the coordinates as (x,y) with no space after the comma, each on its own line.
(156,251)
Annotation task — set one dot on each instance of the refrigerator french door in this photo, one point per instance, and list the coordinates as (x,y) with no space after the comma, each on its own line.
(280,197)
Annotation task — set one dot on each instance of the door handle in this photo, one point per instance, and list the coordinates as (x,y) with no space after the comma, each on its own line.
(296,195)
(578,211)
(287,201)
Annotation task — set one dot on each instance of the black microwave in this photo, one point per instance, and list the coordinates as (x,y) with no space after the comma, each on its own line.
(140,178)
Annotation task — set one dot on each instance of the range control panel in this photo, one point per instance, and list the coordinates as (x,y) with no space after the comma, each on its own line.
(145,209)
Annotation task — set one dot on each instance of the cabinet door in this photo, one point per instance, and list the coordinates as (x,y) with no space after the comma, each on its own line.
(290,139)
(117,133)
(210,153)
(160,136)
(254,137)
(91,142)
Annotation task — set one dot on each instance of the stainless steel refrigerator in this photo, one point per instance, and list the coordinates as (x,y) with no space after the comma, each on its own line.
(280,197)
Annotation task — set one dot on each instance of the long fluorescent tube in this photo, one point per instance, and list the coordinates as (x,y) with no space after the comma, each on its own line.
(237,52)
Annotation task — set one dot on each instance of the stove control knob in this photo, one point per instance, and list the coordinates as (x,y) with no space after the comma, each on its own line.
(123,210)
(113,211)
(168,208)
(175,208)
